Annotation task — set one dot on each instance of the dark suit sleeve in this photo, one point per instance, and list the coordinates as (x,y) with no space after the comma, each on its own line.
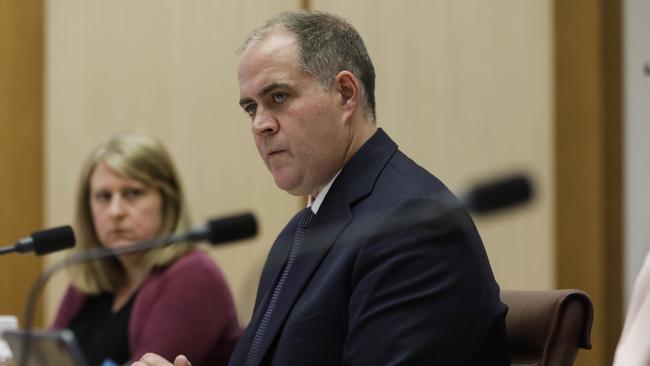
(423,293)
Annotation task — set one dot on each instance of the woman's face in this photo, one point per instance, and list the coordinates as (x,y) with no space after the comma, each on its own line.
(124,210)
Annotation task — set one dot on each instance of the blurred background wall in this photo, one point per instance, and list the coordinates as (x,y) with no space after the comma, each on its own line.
(461,89)
(169,68)
(469,89)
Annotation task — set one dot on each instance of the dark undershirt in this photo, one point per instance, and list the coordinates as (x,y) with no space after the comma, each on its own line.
(102,333)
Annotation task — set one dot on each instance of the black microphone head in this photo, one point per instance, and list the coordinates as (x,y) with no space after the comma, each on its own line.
(499,194)
(236,227)
(52,240)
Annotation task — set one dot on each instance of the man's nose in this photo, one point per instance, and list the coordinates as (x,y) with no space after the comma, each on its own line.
(264,123)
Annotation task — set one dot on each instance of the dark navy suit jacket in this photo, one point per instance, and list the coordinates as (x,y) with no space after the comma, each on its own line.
(391,272)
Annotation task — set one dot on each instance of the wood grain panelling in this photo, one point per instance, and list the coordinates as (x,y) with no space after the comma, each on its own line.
(588,163)
(611,54)
(21,54)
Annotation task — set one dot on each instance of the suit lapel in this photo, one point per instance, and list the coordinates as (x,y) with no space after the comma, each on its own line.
(353,183)
(318,240)
(271,272)
(275,261)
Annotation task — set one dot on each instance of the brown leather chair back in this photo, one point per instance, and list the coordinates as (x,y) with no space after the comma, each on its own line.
(546,328)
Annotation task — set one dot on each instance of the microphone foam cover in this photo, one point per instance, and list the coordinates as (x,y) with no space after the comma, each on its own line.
(500,194)
(52,240)
(232,228)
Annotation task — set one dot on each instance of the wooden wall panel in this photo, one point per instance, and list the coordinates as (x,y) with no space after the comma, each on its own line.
(588,163)
(21,88)
(465,88)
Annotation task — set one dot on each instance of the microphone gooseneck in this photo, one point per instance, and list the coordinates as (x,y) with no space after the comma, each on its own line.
(216,231)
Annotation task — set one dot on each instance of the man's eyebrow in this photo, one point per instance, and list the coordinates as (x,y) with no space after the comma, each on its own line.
(244,101)
(265,90)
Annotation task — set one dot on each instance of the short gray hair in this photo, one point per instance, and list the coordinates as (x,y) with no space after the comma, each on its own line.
(327,45)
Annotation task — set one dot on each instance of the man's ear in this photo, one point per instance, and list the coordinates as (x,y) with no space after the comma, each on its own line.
(347,85)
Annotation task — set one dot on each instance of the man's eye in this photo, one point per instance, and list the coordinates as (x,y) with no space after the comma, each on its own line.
(250,109)
(279,97)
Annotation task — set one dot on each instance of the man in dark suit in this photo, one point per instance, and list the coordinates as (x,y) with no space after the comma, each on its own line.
(384,267)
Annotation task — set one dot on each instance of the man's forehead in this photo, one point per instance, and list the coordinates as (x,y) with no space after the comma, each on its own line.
(273,60)
(255,77)
(273,42)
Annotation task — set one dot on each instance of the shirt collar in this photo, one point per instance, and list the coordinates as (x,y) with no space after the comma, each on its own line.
(315,203)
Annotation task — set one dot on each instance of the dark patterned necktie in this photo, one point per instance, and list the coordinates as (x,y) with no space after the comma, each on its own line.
(251,357)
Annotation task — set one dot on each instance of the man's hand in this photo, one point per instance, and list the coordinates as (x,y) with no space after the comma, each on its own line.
(152,359)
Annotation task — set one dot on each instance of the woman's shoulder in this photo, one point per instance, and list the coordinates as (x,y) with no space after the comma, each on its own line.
(70,304)
(188,278)
(196,266)
(74,295)
(195,260)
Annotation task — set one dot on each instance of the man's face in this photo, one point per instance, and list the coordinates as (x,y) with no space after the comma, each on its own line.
(297,125)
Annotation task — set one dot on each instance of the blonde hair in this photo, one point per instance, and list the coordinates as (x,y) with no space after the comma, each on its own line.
(143,158)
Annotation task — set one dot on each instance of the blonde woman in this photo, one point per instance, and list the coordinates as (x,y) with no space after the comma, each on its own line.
(167,300)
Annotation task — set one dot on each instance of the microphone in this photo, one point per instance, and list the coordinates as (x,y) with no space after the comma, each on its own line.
(44,241)
(216,231)
(225,230)
(484,198)
(499,194)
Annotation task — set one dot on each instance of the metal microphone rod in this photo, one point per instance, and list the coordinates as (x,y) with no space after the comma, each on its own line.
(6,250)
(97,253)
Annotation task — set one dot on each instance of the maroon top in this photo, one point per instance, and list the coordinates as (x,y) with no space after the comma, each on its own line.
(185,308)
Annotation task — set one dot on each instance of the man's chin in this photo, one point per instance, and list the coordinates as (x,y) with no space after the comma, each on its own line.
(291,187)
(288,185)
